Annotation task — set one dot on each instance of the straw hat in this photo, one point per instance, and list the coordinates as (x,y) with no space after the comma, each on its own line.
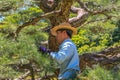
(63,26)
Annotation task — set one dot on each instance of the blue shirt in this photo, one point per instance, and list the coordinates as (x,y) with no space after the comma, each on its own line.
(67,57)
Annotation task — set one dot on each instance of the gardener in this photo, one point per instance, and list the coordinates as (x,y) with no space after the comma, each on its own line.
(67,56)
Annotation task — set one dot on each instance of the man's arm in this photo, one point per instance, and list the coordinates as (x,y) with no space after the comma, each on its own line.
(65,52)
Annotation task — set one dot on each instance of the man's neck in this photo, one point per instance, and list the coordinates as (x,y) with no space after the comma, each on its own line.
(67,37)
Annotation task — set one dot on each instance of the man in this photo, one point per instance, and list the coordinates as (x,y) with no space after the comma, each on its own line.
(67,56)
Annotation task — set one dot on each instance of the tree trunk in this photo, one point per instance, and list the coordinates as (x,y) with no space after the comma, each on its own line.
(56,19)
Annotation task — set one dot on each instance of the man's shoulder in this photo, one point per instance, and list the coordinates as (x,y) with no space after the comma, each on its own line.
(68,43)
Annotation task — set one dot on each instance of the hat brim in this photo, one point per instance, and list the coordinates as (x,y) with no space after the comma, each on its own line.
(69,27)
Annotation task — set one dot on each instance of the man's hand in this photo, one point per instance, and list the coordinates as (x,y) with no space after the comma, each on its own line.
(44,49)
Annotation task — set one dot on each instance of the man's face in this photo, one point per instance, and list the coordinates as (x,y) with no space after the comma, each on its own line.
(60,36)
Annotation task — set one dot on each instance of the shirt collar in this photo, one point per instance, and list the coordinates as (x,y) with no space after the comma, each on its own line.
(68,39)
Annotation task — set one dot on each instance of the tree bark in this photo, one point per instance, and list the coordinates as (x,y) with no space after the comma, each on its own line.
(108,58)
(63,16)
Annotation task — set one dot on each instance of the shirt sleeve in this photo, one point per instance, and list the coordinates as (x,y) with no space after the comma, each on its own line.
(65,52)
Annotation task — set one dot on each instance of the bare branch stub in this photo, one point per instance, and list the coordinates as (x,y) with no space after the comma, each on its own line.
(80,13)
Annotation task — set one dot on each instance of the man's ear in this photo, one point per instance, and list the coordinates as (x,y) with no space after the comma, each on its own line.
(64,32)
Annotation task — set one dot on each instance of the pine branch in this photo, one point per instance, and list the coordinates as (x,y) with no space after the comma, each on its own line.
(108,58)
(33,21)
(83,13)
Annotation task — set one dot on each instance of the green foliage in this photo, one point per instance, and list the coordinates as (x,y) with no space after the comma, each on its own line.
(4,4)
(23,16)
(81,38)
(72,15)
(91,38)
(99,73)
(14,20)
(8,73)
(116,32)
(11,52)
(23,50)
(94,37)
